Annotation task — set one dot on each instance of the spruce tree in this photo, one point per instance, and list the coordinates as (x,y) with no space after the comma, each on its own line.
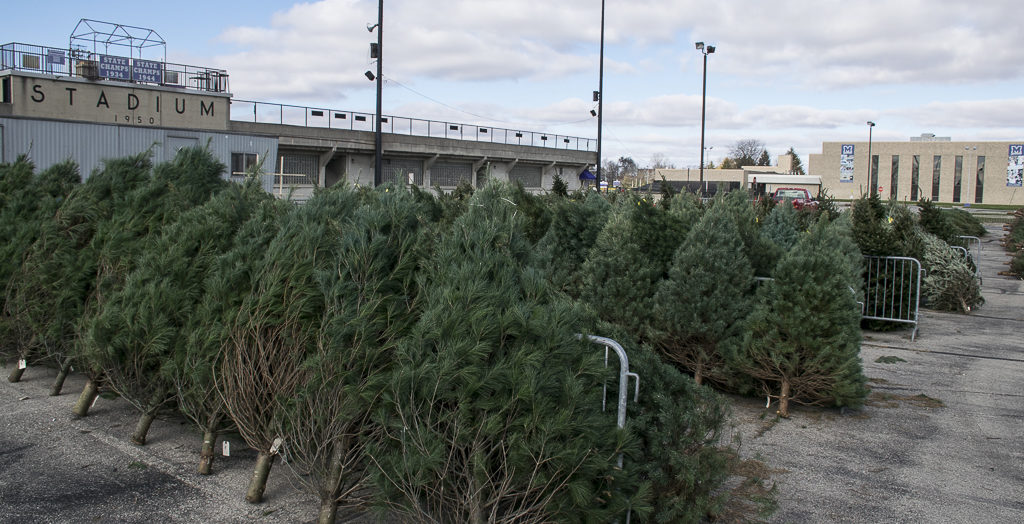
(804,335)
(492,413)
(700,308)
(782,230)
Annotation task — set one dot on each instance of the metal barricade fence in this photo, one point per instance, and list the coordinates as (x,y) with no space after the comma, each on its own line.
(892,290)
(973,247)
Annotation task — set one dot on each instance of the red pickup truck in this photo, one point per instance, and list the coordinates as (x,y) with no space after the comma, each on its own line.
(800,198)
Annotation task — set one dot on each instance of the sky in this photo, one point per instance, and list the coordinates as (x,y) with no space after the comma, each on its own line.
(790,73)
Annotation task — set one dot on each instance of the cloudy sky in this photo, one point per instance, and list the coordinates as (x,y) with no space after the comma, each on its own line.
(789,73)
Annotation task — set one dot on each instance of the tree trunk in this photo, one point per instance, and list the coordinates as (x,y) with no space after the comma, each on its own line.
(784,399)
(142,427)
(88,396)
(58,383)
(698,374)
(258,484)
(16,373)
(206,455)
(146,420)
(329,494)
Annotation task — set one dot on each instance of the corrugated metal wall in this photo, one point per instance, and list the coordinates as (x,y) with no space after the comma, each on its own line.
(48,143)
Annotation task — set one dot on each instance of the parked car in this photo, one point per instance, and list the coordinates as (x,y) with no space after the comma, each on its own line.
(800,198)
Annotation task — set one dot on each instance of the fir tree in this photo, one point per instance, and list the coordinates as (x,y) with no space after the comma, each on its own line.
(491,414)
(804,336)
(700,308)
(758,249)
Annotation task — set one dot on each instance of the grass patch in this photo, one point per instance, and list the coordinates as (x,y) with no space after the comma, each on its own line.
(137,465)
(889,359)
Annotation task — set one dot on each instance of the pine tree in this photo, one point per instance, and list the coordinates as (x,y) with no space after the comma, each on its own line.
(699,310)
(370,303)
(575,225)
(804,336)
(121,333)
(950,283)
(277,323)
(632,255)
(758,249)
(491,414)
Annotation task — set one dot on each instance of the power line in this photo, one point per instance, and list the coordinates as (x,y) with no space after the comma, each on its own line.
(487,118)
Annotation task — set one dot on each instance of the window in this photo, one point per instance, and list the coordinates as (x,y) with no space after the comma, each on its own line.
(449,174)
(915,178)
(528,176)
(874,174)
(5,90)
(895,177)
(958,175)
(243,163)
(299,169)
(397,171)
(981,180)
(936,173)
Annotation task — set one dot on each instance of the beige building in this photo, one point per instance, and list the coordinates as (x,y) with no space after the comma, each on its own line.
(931,167)
(761,179)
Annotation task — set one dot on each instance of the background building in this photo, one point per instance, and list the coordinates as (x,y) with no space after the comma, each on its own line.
(930,167)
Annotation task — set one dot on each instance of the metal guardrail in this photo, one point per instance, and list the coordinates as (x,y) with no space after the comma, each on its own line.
(892,290)
(306,116)
(973,248)
(77,63)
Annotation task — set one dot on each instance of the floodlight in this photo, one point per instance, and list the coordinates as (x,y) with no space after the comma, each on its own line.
(700,46)
(370,76)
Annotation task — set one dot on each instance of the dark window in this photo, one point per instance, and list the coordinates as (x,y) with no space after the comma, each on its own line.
(397,170)
(874,173)
(895,178)
(449,174)
(5,90)
(528,176)
(981,180)
(936,174)
(958,176)
(299,169)
(915,178)
(243,163)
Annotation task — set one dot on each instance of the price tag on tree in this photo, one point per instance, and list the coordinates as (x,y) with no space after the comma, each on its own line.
(226,449)
(22,364)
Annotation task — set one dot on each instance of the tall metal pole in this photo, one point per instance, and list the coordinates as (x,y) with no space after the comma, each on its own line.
(600,101)
(703,98)
(378,166)
(872,184)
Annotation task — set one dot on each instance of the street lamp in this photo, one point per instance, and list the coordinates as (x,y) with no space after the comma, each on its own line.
(599,98)
(709,148)
(704,50)
(872,183)
(378,53)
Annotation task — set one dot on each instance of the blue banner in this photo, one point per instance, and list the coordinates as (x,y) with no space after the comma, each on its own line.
(147,71)
(114,67)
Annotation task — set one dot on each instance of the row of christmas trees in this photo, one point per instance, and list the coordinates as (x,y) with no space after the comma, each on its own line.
(418,353)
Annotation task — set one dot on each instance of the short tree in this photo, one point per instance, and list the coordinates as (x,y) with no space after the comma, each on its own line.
(804,336)
(950,283)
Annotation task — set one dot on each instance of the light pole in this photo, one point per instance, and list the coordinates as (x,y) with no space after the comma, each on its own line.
(871,182)
(378,53)
(599,98)
(704,50)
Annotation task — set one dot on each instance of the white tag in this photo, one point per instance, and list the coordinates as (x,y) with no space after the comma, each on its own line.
(226,449)
(276,446)
(94,399)
(22,364)
(769,403)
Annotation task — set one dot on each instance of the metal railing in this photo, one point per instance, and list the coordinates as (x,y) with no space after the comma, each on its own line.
(306,116)
(76,63)
(973,248)
(892,290)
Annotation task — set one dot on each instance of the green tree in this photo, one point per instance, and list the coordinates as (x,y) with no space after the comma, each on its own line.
(804,336)
(950,283)
(764,159)
(699,310)
(575,225)
(491,414)
(747,152)
(796,167)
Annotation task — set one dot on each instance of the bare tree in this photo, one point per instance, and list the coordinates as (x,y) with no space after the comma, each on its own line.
(747,152)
